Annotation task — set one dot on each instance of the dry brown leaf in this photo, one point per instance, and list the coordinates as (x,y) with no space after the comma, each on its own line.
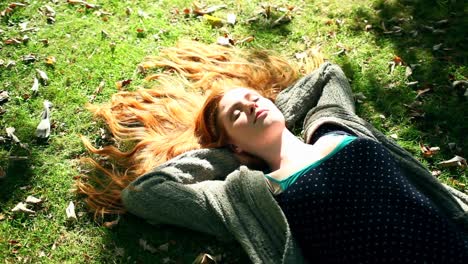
(2,217)
(398,61)
(70,211)
(456,161)
(14,5)
(22,207)
(204,11)
(428,151)
(111,224)
(123,83)
(13,41)
(247,39)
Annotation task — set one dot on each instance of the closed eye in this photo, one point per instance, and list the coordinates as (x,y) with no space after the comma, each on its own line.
(236,114)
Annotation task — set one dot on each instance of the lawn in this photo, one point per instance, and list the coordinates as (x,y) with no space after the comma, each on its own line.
(406,60)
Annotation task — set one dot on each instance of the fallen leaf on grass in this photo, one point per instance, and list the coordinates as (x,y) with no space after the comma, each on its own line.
(225,41)
(146,246)
(119,252)
(50,60)
(437,47)
(421,92)
(456,161)
(49,12)
(43,129)
(22,207)
(81,2)
(2,217)
(204,11)
(35,86)
(285,18)
(43,77)
(359,97)
(4,96)
(128,11)
(428,151)
(33,200)
(111,224)
(13,41)
(246,40)
(204,258)
(408,71)
(412,83)
(457,183)
(436,173)
(29,58)
(213,21)
(123,83)
(70,211)
(10,8)
(14,5)
(10,133)
(231,18)
(164,247)
(142,14)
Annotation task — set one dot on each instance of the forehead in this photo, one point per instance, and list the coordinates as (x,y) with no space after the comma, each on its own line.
(233,96)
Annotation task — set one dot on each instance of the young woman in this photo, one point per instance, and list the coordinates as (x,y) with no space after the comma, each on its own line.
(345,197)
(348,195)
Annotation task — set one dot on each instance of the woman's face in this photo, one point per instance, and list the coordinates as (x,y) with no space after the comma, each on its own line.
(250,120)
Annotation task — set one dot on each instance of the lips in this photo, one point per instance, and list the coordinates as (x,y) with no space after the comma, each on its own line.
(258,113)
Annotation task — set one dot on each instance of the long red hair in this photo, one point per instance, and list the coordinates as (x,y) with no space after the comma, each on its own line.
(153,125)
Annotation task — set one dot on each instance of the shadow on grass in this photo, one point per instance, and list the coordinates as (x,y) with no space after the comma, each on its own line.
(179,245)
(18,174)
(430,37)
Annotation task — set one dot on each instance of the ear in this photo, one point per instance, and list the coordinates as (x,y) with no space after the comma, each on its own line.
(235,148)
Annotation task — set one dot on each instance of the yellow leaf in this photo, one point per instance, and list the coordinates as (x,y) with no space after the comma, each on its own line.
(50,60)
(214,21)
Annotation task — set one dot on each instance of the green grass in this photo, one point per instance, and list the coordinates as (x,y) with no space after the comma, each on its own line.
(84,59)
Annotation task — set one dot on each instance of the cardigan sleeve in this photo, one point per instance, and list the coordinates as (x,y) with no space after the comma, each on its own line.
(162,201)
(179,192)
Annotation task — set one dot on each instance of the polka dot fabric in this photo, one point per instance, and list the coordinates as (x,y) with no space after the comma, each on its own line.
(357,207)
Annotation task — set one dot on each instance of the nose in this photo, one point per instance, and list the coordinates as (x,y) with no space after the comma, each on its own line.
(250,107)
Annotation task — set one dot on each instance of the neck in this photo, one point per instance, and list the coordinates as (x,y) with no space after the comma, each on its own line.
(287,149)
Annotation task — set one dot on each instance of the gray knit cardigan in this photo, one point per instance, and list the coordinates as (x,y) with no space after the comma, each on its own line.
(207,190)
